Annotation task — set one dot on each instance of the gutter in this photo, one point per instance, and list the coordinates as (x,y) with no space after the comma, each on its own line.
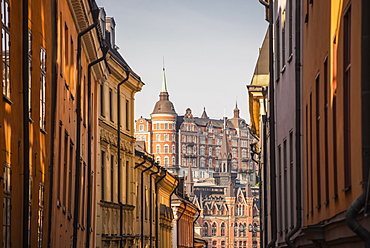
(194,226)
(54,89)
(362,200)
(89,144)
(151,204)
(177,223)
(297,127)
(26,131)
(156,206)
(142,203)
(272,131)
(119,153)
(94,13)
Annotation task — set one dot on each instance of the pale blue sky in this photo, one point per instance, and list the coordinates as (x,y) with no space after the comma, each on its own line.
(210,49)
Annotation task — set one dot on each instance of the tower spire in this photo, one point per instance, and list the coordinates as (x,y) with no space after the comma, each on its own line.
(164,82)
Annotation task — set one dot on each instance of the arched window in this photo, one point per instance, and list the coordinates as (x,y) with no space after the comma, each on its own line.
(244,243)
(201,162)
(223,229)
(214,244)
(236,229)
(166,148)
(202,150)
(158,160)
(244,153)
(223,244)
(205,229)
(234,153)
(241,230)
(214,229)
(166,161)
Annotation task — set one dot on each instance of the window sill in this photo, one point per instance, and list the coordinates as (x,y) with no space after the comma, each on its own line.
(283,69)
(346,189)
(7,100)
(290,58)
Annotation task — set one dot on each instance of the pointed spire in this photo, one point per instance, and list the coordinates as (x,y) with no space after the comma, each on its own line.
(204,115)
(225,150)
(189,182)
(236,110)
(164,82)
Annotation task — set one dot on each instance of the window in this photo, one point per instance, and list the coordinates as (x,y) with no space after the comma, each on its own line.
(347,98)
(223,243)
(244,153)
(166,137)
(285,184)
(318,141)
(202,150)
(290,13)
(158,160)
(234,153)
(277,48)
(202,164)
(166,161)
(236,229)
(205,229)
(242,230)
(210,162)
(29,73)
(210,151)
(141,127)
(158,149)
(214,244)
(40,216)
(166,126)
(112,181)
(7,205)
(5,47)
(214,229)
(326,131)
(102,100)
(283,37)
(166,149)
(127,115)
(42,88)
(173,160)
(223,229)
(173,149)
(111,104)
(158,137)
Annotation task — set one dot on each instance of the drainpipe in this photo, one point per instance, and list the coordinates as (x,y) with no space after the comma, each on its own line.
(362,200)
(151,204)
(156,206)
(194,227)
(142,203)
(264,209)
(177,223)
(26,134)
(94,13)
(119,153)
(297,126)
(53,122)
(89,144)
(272,129)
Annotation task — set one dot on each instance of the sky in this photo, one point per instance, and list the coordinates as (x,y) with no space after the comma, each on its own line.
(210,48)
